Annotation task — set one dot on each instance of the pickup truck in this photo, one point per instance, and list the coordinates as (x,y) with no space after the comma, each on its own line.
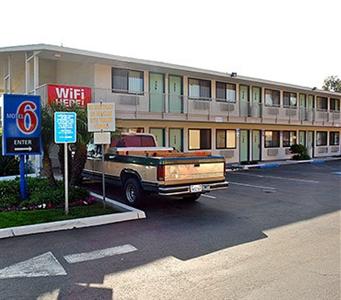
(134,162)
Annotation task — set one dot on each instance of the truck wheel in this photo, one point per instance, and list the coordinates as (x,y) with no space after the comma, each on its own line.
(191,198)
(133,192)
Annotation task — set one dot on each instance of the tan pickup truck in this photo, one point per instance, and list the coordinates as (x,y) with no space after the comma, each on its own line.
(134,162)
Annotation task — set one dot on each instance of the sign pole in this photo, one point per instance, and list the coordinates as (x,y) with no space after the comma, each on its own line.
(23,193)
(103,176)
(66,179)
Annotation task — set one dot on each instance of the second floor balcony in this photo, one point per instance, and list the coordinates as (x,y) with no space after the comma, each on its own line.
(160,106)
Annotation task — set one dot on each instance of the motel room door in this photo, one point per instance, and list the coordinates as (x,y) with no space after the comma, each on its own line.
(244,145)
(175,138)
(256,145)
(310,143)
(175,94)
(156,92)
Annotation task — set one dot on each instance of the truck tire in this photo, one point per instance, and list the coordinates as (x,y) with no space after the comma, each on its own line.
(133,192)
(191,198)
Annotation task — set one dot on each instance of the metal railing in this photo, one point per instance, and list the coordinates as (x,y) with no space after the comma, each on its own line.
(177,107)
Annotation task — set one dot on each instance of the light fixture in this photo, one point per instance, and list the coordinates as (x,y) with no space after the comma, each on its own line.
(314,88)
(57,55)
(234,74)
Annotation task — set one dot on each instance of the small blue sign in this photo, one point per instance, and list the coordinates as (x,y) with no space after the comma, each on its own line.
(65,127)
(21,125)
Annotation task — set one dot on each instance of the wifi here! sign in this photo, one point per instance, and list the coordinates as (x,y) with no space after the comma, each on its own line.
(21,124)
(68,95)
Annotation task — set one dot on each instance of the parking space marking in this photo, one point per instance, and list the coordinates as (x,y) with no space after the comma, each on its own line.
(97,254)
(254,186)
(40,266)
(279,177)
(208,196)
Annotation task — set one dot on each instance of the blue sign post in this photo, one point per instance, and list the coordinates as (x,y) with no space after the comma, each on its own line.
(65,131)
(21,130)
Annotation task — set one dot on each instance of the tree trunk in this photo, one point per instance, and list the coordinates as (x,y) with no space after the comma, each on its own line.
(61,160)
(47,168)
(78,164)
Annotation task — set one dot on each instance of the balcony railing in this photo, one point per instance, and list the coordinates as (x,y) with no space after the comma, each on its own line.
(178,107)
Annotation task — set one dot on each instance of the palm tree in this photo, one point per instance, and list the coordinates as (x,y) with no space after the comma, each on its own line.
(47,141)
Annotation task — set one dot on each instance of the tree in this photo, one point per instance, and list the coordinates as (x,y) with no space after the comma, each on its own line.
(332,83)
(47,141)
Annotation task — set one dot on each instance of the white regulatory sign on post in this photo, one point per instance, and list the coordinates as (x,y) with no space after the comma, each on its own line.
(102,138)
(101,117)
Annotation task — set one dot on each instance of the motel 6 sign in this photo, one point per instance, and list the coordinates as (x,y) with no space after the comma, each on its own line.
(21,125)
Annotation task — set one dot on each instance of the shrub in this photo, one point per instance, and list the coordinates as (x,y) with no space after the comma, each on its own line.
(39,193)
(300,151)
(9,165)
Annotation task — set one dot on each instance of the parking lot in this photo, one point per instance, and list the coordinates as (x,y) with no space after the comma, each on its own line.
(274,234)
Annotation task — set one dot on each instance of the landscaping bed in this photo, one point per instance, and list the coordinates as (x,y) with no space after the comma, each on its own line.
(45,203)
(30,217)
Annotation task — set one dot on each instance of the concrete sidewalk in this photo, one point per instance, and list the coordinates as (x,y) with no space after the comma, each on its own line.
(277,163)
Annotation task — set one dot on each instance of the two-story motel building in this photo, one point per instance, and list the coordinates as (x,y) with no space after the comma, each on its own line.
(241,118)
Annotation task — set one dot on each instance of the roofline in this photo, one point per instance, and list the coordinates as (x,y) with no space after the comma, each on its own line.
(48,47)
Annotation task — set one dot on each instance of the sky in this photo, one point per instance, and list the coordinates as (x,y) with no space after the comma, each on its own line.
(292,41)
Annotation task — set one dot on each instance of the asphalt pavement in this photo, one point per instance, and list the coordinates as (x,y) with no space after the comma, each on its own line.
(274,234)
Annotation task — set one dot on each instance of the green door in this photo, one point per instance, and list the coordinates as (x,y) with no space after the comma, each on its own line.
(310,143)
(256,102)
(256,144)
(301,136)
(244,100)
(175,94)
(175,138)
(156,92)
(159,134)
(244,145)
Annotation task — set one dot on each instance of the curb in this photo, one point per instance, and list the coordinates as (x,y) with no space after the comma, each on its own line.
(128,213)
(272,165)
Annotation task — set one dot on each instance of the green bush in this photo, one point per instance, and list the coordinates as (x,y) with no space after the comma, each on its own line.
(300,151)
(9,165)
(39,192)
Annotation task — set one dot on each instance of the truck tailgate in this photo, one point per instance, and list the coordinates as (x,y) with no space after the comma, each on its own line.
(202,171)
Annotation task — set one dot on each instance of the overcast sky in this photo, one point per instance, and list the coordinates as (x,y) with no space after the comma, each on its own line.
(293,41)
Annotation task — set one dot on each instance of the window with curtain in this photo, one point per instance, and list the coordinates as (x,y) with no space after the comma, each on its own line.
(226,91)
(321,103)
(199,89)
(321,138)
(199,139)
(334,104)
(334,138)
(289,99)
(271,139)
(272,98)
(127,81)
(225,139)
(289,138)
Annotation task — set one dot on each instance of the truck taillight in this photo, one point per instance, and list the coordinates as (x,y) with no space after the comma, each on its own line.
(161,173)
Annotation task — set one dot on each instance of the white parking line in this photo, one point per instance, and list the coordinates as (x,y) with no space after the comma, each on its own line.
(254,186)
(278,177)
(208,196)
(40,266)
(97,254)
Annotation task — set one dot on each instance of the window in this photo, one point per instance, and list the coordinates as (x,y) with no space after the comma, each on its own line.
(321,138)
(225,139)
(289,99)
(334,104)
(243,93)
(199,139)
(303,100)
(289,138)
(127,81)
(199,89)
(271,139)
(272,98)
(321,103)
(334,138)
(226,91)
